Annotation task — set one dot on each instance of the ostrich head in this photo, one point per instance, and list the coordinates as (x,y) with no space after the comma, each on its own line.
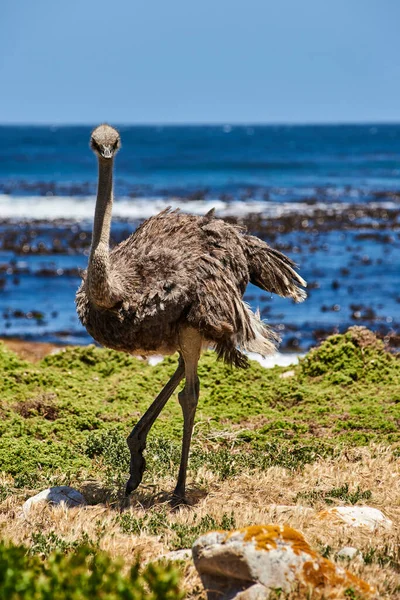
(105,141)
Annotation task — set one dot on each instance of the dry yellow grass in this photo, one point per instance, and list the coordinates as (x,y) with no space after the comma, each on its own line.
(252,499)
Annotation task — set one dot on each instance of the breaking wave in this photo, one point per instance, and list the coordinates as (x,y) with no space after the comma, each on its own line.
(70,208)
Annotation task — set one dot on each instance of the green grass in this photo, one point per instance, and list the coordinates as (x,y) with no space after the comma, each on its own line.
(333,495)
(67,416)
(157,522)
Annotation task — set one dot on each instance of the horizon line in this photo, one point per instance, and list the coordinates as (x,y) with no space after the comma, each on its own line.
(204,124)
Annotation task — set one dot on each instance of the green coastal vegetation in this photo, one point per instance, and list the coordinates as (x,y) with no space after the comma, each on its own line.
(64,421)
(68,416)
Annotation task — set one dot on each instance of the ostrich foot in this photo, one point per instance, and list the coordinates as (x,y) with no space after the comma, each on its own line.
(179,497)
(178,501)
(137,467)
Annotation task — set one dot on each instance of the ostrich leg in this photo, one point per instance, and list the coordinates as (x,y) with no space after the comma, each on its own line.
(137,438)
(190,345)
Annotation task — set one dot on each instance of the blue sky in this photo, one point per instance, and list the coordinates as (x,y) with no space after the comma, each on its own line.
(204,61)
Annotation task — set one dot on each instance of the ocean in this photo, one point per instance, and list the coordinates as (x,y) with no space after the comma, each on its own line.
(328,196)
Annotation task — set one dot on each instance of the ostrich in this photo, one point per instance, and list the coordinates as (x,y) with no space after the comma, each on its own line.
(176,284)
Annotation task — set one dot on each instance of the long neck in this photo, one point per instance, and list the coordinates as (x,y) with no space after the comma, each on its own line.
(102,284)
(102,215)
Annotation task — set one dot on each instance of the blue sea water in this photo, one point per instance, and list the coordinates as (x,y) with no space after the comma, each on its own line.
(179,160)
(329,196)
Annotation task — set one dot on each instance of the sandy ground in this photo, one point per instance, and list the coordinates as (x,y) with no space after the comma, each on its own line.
(32,351)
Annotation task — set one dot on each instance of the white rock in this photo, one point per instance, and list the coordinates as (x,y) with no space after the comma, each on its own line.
(349,553)
(357,516)
(183,554)
(254,592)
(61,494)
(249,563)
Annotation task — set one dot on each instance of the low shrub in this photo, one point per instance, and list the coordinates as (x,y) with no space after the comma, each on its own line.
(357,355)
(83,574)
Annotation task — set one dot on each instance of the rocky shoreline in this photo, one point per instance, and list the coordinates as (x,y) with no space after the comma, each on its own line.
(347,252)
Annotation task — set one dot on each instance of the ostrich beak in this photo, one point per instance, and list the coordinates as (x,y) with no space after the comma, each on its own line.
(107,152)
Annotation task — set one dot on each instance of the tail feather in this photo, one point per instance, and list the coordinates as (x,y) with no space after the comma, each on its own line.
(272,271)
(263,340)
(252,336)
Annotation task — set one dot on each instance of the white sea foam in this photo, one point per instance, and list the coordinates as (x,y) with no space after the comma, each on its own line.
(75,208)
(278,359)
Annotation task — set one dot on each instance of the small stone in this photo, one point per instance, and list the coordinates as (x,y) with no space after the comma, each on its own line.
(279,510)
(154,360)
(357,516)
(349,553)
(247,564)
(61,494)
(287,374)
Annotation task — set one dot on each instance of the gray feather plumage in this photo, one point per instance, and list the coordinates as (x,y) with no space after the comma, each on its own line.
(179,269)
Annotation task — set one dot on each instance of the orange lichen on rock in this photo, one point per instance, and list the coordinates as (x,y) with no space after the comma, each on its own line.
(273,556)
(324,574)
(318,572)
(266,536)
